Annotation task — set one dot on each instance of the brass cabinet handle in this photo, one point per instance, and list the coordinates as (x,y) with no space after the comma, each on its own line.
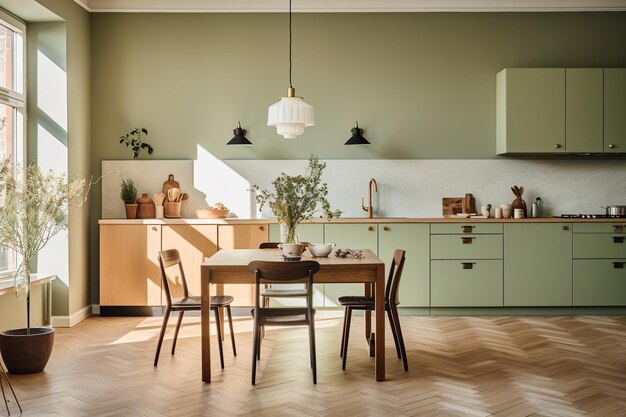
(386,228)
(557,146)
(564,227)
(262,228)
(468,229)
(618,228)
(468,265)
(618,239)
(618,265)
(467,240)
(611,146)
(370,229)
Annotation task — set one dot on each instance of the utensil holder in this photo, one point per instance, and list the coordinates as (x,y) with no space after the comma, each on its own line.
(158,212)
(171,209)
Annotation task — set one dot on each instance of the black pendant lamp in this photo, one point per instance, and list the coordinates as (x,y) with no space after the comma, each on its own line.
(239,138)
(357,136)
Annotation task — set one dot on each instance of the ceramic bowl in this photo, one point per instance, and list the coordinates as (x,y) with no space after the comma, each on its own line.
(320,250)
(212,213)
(291,249)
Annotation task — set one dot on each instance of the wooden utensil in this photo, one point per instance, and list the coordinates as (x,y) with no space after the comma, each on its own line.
(173,194)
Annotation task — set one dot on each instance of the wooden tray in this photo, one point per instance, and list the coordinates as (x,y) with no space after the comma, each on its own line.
(453,205)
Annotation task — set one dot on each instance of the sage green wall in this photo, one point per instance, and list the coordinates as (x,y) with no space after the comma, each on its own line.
(421,84)
(50,39)
(78,60)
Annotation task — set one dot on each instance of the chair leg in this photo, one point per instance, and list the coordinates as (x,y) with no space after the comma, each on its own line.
(166,317)
(218,326)
(394,332)
(266,304)
(181,313)
(255,346)
(396,316)
(259,337)
(346,337)
(232,332)
(343,332)
(312,348)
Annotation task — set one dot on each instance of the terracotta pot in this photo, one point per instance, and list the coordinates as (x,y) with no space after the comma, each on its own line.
(145,208)
(171,210)
(26,353)
(131,211)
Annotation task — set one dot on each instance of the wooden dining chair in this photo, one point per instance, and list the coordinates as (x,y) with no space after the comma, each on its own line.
(268,292)
(367,303)
(171,258)
(283,272)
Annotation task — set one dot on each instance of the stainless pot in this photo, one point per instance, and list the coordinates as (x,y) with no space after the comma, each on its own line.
(615,210)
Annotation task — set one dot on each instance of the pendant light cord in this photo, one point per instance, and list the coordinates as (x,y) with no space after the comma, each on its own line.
(290,84)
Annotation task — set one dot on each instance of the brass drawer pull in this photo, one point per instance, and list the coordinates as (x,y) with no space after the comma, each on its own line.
(618,265)
(618,239)
(468,265)
(261,228)
(370,229)
(468,229)
(386,228)
(467,240)
(564,227)
(618,228)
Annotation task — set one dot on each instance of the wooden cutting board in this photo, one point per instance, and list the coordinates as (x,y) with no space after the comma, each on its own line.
(454,205)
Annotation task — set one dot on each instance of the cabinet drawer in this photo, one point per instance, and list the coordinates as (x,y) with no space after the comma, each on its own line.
(464,228)
(596,245)
(466,247)
(471,283)
(599,282)
(599,228)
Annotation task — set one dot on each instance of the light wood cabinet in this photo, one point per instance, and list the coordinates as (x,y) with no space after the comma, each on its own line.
(195,243)
(129,266)
(243,236)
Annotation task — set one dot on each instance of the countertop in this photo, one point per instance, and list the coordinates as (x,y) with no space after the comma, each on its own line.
(234,221)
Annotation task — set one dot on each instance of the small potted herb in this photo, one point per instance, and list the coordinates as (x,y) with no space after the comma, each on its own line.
(128,194)
(133,140)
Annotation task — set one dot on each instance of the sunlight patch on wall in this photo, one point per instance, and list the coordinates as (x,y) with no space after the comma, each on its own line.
(52,90)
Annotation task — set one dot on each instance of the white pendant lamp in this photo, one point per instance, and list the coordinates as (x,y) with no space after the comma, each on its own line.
(290,114)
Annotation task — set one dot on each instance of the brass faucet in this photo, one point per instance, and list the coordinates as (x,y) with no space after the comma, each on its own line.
(369,208)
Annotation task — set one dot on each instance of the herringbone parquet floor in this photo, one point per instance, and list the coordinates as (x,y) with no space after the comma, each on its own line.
(459,366)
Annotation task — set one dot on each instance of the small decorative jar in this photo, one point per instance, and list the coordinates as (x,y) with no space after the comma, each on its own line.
(145,207)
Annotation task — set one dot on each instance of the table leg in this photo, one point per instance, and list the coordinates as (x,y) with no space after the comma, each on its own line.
(205,324)
(368,318)
(379,291)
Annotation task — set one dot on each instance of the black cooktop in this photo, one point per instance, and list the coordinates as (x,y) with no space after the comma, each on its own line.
(591,216)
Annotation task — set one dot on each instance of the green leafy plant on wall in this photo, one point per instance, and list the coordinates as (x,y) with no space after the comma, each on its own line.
(133,140)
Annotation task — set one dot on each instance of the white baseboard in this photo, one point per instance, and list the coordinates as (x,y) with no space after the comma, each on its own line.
(77,317)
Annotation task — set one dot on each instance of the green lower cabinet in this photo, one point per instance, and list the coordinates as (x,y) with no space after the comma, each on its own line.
(599,245)
(466,246)
(537,264)
(353,236)
(466,283)
(413,238)
(307,232)
(599,282)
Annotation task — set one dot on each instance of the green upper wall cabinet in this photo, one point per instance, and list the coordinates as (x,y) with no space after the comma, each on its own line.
(558,110)
(584,110)
(530,110)
(615,110)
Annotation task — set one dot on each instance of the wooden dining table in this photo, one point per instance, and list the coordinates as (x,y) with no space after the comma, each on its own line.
(230,266)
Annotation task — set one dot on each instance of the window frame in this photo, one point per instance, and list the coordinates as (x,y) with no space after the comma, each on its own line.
(16,100)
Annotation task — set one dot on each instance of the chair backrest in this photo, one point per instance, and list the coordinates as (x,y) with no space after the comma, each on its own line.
(169,258)
(395,273)
(284,272)
(269,245)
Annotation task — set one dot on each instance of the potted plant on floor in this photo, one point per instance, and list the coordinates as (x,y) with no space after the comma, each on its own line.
(295,198)
(128,194)
(33,208)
